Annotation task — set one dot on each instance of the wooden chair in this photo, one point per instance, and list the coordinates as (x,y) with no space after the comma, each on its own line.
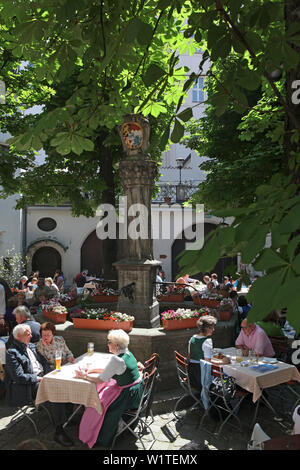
(281,347)
(150,364)
(282,443)
(185,384)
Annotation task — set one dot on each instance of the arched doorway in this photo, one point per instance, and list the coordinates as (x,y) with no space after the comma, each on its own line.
(46,260)
(92,254)
(179,245)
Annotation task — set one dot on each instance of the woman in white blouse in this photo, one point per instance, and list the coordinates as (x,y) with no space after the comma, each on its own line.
(119,387)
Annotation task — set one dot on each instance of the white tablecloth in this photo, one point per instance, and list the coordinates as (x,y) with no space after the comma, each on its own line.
(3,340)
(255,381)
(63,387)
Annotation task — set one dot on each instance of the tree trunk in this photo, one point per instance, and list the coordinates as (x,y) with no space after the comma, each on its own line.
(108,197)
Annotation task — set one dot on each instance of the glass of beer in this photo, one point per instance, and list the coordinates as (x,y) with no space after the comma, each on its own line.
(90,348)
(239,355)
(58,360)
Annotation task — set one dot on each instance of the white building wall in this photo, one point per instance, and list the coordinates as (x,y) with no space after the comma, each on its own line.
(10,226)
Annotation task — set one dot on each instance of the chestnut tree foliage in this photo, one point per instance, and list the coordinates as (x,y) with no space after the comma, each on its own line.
(127,53)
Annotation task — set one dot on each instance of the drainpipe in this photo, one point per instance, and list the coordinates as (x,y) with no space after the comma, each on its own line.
(23,233)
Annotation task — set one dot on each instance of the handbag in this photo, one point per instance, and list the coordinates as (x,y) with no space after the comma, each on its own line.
(223,386)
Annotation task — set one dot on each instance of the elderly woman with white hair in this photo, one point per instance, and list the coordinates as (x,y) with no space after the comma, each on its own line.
(120,388)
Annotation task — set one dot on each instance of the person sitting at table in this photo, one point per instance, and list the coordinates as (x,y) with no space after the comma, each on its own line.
(201,347)
(9,316)
(120,389)
(59,280)
(24,370)
(270,324)
(50,343)
(243,307)
(253,337)
(227,283)
(21,286)
(23,315)
(32,285)
(42,290)
(49,282)
(210,288)
(214,279)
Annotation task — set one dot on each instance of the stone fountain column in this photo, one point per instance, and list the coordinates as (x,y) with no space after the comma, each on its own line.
(138,268)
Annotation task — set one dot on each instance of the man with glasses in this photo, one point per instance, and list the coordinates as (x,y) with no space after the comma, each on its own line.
(253,337)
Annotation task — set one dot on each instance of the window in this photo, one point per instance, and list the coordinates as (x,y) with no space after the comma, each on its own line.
(46,224)
(198,93)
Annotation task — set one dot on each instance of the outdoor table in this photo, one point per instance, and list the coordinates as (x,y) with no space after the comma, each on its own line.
(63,387)
(254,381)
(3,340)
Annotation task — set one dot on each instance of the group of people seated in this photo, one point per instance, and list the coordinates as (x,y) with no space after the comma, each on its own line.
(30,354)
(30,292)
(200,346)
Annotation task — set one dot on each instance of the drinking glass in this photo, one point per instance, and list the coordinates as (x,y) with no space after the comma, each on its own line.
(239,355)
(58,360)
(90,348)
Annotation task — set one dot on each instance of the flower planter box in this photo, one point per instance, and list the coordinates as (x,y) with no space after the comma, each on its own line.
(206,302)
(88,324)
(57,318)
(104,298)
(171,298)
(180,324)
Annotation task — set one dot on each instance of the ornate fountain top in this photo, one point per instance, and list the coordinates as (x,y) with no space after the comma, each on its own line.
(134,133)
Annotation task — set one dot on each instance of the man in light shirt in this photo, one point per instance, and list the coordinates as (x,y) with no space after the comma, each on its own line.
(24,370)
(253,337)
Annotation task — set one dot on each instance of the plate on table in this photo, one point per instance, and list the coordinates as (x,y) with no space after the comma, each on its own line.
(270,360)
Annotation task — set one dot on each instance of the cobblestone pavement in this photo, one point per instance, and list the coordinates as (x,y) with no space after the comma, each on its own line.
(170,435)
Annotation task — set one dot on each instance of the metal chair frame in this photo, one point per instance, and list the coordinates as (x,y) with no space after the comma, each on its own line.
(184,382)
(27,411)
(149,365)
(138,414)
(219,402)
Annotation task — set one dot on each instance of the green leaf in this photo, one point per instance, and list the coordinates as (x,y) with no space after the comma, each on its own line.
(145,33)
(178,132)
(206,258)
(290,223)
(249,80)
(296,264)
(255,244)
(292,245)
(186,114)
(221,48)
(153,73)
(262,294)
(269,259)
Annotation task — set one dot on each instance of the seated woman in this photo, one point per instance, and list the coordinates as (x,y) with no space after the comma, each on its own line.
(119,387)
(50,343)
(210,289)
(243,307)
(49,282)
(200,347)
(270,324)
